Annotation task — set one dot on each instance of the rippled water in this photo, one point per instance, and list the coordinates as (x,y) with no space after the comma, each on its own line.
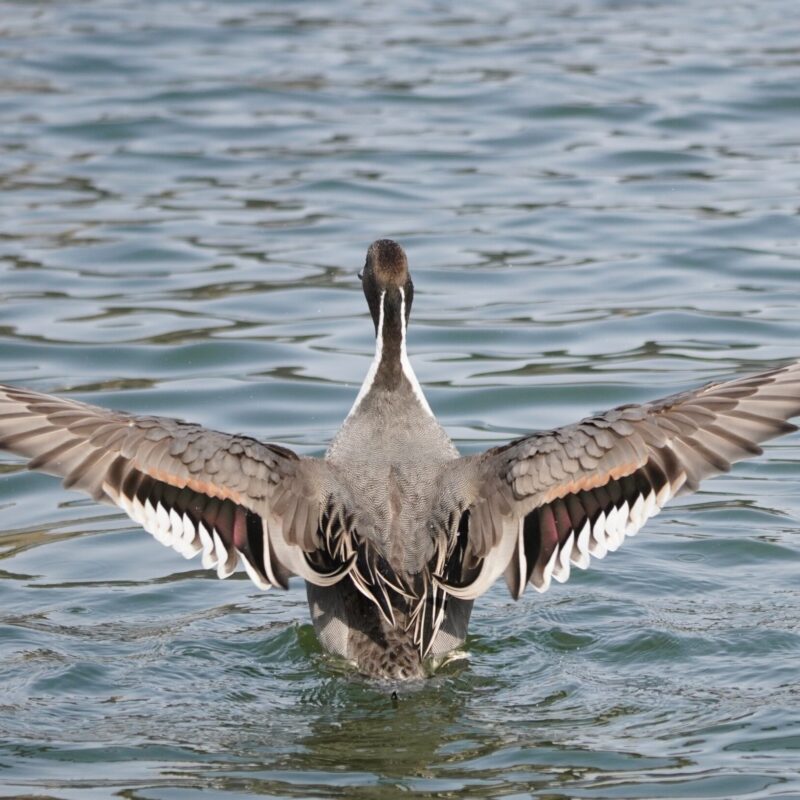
(600,204)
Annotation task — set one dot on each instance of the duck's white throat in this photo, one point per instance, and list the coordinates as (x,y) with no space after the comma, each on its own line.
(405,364)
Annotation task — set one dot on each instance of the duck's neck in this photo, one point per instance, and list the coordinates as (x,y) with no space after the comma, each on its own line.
(391,366)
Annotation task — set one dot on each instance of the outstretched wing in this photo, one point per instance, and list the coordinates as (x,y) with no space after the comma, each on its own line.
(228,497)
(554,499)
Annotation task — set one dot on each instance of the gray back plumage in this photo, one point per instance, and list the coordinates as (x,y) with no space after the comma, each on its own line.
(390,454)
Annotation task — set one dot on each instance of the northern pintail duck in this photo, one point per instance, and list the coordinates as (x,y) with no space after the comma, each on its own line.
(395,533)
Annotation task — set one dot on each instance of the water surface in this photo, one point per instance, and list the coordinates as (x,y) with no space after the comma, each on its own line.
(600,205)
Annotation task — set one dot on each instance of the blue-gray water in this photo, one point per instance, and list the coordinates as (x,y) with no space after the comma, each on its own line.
(600,205)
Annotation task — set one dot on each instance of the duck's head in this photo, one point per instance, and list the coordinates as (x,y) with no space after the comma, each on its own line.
(386,280)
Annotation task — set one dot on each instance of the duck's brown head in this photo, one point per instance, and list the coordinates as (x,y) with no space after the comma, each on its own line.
(386,279)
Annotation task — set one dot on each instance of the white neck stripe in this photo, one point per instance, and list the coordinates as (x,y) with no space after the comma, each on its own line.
(376,361)
(405,364)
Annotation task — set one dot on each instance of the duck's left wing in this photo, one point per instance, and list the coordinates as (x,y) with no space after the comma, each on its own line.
(553,499)
(229,497)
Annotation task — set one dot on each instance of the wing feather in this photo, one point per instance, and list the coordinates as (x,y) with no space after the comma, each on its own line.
(579,491)
(195,490)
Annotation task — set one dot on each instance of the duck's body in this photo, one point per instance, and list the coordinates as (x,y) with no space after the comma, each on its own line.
(394,533)
(391,451)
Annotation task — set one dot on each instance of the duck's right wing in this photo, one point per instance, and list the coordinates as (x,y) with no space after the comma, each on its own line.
(226,496)
(553,499)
